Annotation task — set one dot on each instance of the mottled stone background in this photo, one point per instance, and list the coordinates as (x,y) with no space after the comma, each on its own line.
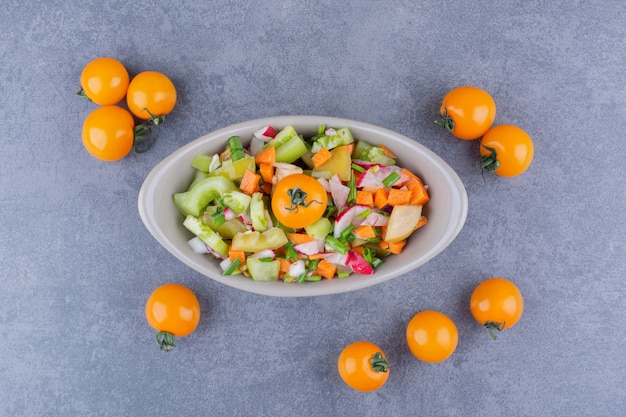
(77,264)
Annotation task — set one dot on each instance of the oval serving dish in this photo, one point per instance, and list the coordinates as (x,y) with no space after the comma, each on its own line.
(446,211)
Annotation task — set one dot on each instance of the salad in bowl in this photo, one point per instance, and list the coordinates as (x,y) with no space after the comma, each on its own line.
(303,205)
(295,208)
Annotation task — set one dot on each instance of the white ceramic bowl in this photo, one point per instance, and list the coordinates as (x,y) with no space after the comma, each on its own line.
(446,210)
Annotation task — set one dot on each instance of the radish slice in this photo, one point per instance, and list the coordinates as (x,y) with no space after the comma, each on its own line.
(348,217)
(267,253)
(297,268)
(338,192)
(225,264)
(324,183)
(266,134)
(283,170)
(375,175)
(359,264)
(229,213)
(339,260)
(255,145)
(375,219)
(198,246)
(310,248)
(245,219)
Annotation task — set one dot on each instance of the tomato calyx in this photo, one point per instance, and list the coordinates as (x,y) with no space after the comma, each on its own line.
(492,326)
(165,340)
(154,119)
(297,198)
(81,93)
(446,121)
(489,162)
(379,363)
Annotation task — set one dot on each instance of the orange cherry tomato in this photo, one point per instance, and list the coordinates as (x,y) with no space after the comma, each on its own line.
(363,366)
(506,150)
(173,310)
(299,200)
(151,95)
(108,133)
(497,304)
(432,336)
(467,112)
(104,81)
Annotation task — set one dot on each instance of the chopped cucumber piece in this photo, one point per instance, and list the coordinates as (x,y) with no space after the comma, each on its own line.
(320,229)
(201,194)
(237,201)
(291,151)
(342,136)
(282,137)
(207,235)
(257,212)
(228,229)
(360,148)
(202,162)
(263,271)
(197,177)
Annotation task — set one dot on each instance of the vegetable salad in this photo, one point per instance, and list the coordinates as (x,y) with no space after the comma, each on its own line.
(296,209)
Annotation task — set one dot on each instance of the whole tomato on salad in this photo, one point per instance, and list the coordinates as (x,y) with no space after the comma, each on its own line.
(432,336)
(299,200)
(151,96)
(497,304)
(363,366)
(108,133)
(467,112)
(506,150)
(104,81)
(173,310)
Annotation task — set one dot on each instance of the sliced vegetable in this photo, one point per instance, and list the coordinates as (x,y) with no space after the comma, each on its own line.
(263,271)
(273,238)
(250,182)
(200,195)
(207,235)
(402,222)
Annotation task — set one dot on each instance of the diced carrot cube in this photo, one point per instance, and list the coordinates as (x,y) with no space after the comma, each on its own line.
(419,194)
(364,198)
(250,182)
(365,232)
(236,254)
(325,269)
(266,156)
(398,197)
(267,172)
(298,238)
(321,157)
(396,247)
(380,198)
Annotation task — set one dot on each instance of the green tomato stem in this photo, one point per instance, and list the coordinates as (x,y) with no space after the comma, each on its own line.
(492,326)
(165,340)
(489,162)
(446,121)
(379,363)
(143,138)
(154,119)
